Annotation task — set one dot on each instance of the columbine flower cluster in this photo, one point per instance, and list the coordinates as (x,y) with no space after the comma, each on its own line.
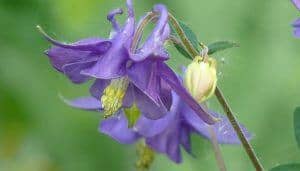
(140,95)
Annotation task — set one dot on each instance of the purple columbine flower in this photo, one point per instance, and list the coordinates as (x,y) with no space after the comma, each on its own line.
(296,23)
(125,77)
(167,134)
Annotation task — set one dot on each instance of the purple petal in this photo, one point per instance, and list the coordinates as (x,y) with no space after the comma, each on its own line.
(296,23)
(111,65)
(173,150)
(149,128)
(297,32)
(296,3)
(91,44)
(67,54)
(165,94)
(117,128)
(85,103)
(98,87)
(129,96)
(223,129)
(171,78)
(144,76)
(73,71)
(72,61)
(150,109)
(296,26)
(185,138)
(167,142)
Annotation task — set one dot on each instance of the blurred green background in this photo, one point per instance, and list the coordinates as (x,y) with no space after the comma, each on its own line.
(38,132)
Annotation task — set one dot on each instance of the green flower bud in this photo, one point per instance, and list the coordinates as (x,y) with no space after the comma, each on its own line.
(201,78)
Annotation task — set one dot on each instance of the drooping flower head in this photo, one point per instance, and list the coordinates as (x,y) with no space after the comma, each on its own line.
(296,23)
(124,76)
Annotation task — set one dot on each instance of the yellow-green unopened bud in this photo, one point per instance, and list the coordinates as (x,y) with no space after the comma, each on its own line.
(201,78)
(113,95)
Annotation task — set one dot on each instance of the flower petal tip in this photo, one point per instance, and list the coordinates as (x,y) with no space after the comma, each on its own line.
(84,103)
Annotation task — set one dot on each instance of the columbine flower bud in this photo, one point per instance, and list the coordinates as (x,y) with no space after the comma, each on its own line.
(201,78)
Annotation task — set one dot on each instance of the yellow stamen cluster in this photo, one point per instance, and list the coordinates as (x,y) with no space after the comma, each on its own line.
(113,95)
(146,157)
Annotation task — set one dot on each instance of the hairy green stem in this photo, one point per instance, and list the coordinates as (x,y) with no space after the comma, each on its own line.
(247,146)
(193,52)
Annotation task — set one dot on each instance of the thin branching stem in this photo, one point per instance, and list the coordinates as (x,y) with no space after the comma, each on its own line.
(247,146)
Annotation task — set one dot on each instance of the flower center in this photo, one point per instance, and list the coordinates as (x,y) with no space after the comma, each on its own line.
(113,95)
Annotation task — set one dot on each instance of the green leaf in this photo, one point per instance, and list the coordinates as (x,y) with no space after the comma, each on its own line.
(132,114)
(297,125)
(220,45)
(287,167)
(182,51)
(190,35)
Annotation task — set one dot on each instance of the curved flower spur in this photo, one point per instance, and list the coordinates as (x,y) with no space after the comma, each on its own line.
(125,77)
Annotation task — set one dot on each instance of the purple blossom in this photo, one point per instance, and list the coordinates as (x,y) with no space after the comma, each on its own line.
(140,76)
(296,3)
(167,134)
(296,26)
(296,23)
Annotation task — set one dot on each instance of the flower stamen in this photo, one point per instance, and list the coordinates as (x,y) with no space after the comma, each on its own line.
(146,157)
(113,95)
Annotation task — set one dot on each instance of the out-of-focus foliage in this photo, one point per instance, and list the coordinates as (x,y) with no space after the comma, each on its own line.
(287,167)
(297,124)
(220,45)
(39,132)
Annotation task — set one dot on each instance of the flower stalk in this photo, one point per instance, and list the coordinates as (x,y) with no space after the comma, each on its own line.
(193,52)
(247,146)
(217,150)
